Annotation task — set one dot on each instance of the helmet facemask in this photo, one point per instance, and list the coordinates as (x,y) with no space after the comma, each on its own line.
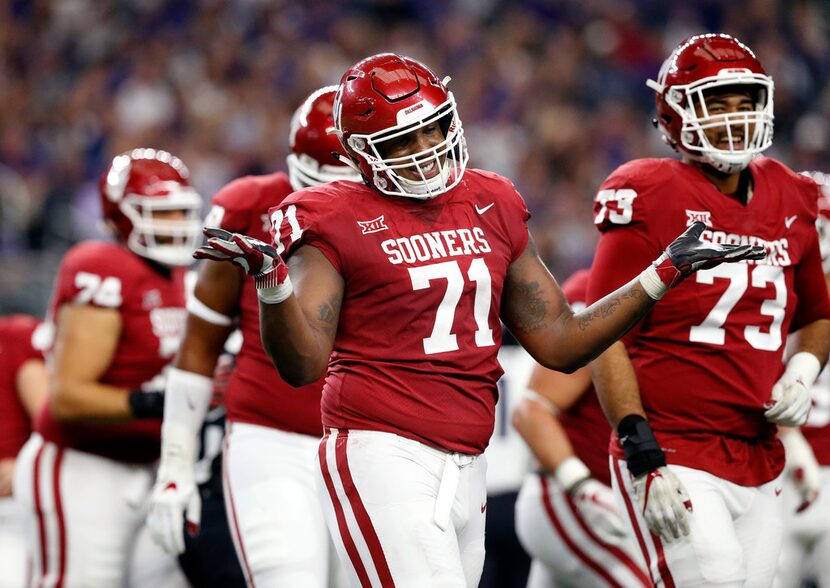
(754,127)
(166,241)
(449,156)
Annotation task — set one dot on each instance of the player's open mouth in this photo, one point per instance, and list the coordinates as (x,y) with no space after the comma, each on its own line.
(736,143)
(429,169)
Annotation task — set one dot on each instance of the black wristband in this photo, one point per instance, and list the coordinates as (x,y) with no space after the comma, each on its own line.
(146,405)
(642,452)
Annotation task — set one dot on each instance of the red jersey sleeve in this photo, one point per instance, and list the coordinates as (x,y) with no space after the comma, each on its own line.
(306,218)
(91,275)
(625,247)
(512,207)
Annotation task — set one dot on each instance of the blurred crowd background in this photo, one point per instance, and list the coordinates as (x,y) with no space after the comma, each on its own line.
(551,93)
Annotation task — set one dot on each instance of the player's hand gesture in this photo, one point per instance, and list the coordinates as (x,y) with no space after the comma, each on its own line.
(252,255)
(595,502)
(255,257)
(174,501)
(802,468)
(688,254)
(790,401)
(666,504)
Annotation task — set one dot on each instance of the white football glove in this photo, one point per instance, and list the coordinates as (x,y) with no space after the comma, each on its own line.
(666,504)
(593,499)
(257,258)
(175,498)
(790,402)
(596,504)
(802,467)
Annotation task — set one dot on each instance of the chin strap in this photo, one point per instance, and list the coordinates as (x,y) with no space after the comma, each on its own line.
(345,160)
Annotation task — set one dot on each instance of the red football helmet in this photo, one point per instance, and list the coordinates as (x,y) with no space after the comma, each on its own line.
(698,66)
(386,96)
(311,161)
(138,185)
(823,218)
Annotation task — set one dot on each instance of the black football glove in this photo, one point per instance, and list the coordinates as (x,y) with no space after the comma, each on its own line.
(687,254)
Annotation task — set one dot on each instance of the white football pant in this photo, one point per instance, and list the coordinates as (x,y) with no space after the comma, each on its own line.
(84,518)
(806,537)
(566,551)
(271,502)
(735,531)
(402,513)
(15,559)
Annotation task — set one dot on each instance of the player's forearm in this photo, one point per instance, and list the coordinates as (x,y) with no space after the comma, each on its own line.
(298,351)
(593,330)
(616,385)
(814,338)
(88,401)
(543,433)
(202,345)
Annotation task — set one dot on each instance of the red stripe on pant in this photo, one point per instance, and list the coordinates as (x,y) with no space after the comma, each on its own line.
(348,542)
(41,523)
(232,510)
(61,523)
(613,550)
(41,518)
(581,555)
(360,513)
(662,566)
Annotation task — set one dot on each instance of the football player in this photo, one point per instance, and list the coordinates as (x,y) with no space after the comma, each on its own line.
(23,388)
(695,393)
(273,430)
(806,550)
(400,284)
(118,313)
(566,515)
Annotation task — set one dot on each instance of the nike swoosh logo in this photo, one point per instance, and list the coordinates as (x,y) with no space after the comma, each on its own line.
(485,209)
(778,491)
(790,220)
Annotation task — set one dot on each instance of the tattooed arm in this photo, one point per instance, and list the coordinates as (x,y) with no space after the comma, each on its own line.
(536,312)
(298,334)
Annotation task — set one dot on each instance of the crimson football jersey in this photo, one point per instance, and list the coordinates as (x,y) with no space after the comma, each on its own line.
(151,303)
(255,393)
(708,354)
(17,346)
(419,331)
(584,422)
